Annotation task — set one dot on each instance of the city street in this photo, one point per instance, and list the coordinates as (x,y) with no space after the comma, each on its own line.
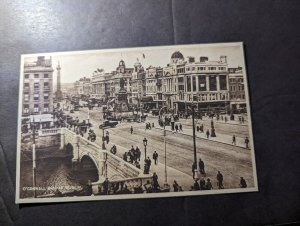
(232,161)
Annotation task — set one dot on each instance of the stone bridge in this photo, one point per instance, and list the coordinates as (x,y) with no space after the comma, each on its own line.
(108,165)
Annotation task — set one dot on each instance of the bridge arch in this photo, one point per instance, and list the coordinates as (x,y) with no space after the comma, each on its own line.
(69,148)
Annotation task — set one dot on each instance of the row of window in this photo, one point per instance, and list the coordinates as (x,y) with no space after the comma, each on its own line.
(36,85)
(202,86)
(181,70)
(240,96)
(36,108)
(37,76)
(233,80)
(203,97)
(233,88)
(36,97)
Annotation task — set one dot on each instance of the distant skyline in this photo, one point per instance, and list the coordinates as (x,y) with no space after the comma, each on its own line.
(75,65)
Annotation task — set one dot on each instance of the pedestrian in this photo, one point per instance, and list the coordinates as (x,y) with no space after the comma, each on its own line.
(243,183)
(196,186)
(198,129)
(107,138)
(202,184)
(175,186)
(201,128)
(137,164)
(152,124)
(155,182)
(202,167)
(208,184)
(176,128)
(105,186)
(131,129)
(149,161)
(180,127)
(233,140)
(125,156)
(207,134)
(155,157)
(148,187)
(138,153)
(220,180)
(247,142)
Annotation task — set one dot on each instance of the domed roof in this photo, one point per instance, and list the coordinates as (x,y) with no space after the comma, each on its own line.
(121,63)
(177,55)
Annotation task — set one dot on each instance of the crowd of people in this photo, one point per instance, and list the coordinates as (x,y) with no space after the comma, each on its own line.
(207,185)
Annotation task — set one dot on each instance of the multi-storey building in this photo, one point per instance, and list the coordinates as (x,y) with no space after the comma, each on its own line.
(100,85)
(38,87)
(121,73)
(83,87)
(153,82)
(138,84)
(178,85)
(236,89)
(202,83)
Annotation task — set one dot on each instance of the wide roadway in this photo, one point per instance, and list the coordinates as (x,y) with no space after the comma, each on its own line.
(233,162)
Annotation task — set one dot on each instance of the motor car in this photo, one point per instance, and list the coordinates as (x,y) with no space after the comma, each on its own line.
(108,124)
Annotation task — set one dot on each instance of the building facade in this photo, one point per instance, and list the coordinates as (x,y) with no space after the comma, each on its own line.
(237,90)
(178,85)
(83,87)
(38,87)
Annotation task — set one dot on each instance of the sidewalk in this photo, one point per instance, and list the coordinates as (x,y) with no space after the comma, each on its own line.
(182,179)
(205,119)
(220,138)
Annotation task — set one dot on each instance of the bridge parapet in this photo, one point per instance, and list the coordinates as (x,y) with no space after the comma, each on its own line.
(49,132)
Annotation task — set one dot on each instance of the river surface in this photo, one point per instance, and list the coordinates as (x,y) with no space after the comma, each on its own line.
(53,174)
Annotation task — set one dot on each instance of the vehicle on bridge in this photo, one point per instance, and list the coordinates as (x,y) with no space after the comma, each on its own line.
(107,124)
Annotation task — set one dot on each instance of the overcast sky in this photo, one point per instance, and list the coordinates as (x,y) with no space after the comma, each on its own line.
(75,65)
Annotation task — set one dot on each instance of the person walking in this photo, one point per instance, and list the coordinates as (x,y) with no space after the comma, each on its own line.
(220,180)
(196,186)
(180,127)
(202,184)
(155,157)
(243,183)
(208,184)
(175,186)
(176,128)
(138,153)
(207,134)
(247,142)
(202,167)
(131,129)
(233,140)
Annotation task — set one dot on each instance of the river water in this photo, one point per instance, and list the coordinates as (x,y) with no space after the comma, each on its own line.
(53,174)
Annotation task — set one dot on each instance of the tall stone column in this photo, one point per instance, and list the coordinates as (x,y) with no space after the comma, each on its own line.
(207,82)
(218,82)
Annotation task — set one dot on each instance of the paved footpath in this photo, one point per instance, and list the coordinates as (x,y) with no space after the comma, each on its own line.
(221,138)
(183,179)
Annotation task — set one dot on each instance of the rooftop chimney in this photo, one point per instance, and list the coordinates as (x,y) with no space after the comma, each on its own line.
(203,59)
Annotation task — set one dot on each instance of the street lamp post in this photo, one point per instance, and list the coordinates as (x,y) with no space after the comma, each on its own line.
(145,145)
(166,185)
(194,141)
(103,139)
(34,160)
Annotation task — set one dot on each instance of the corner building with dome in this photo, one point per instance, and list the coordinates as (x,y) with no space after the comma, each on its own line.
(185,81)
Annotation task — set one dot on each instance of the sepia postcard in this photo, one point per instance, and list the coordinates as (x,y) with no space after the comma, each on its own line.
(132,123)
